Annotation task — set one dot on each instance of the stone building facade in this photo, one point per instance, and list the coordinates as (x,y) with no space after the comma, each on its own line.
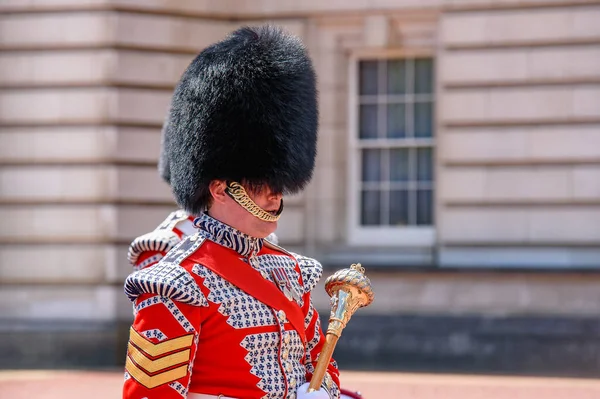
(458,161)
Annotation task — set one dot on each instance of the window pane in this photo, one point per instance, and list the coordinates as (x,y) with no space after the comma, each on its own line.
(396,120)
(371,165)
(368,77)
(425,164)
(424,76)
(399,164)
(424,207)
(370,207)
(398,208)
(396,77)
(368,121)
(423,119)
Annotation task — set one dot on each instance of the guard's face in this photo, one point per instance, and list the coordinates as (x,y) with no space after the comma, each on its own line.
(269,201)
(227,210)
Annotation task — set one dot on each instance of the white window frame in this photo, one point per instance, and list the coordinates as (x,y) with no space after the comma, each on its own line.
(359,235)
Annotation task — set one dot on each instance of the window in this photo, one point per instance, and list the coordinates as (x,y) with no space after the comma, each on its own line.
(393,153)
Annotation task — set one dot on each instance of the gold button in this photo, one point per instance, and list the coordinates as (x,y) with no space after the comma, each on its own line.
(286,353)
(288,367)
(293,382)
(287,338)
(264,274)
(281,315)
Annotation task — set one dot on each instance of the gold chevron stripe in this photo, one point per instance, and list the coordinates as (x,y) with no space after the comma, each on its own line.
(152,366)
(153,381)
(162,347)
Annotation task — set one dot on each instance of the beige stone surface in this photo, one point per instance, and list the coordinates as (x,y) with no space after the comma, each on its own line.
(56,105)
(162,32)
(84,105)
(55,68)
(57,183)
(553,143)
(291,226)
(520,64)
(36,4)
(139,106)
(64,29)
(520,104)
(134,220)
(85,302)
(520,225)
(55,264)
(552,24)
(57,223)
(485,66)
(100,161)
(523,184)
(86,144)
(90,184)
(152,68)
(79,223)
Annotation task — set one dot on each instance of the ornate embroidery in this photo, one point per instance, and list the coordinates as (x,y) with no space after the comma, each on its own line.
(263,357)
(179,388)
(227,236)
(241,310)
(181,319)
(310,345)
(296,372)
(165,279)
(156,334)
(147,302)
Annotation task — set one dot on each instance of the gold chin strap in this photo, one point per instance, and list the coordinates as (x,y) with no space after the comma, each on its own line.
(239,195)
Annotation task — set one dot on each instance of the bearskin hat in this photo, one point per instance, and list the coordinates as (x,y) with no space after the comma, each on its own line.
(164,170)
(244,110)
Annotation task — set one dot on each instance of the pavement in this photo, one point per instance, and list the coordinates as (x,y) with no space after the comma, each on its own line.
(31,384)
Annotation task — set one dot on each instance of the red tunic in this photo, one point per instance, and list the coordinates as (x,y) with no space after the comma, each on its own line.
(194,331)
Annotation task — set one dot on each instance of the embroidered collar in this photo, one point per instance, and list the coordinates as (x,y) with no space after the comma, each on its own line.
(227,236)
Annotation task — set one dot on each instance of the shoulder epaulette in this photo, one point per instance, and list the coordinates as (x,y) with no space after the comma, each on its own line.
(165,279)
(155,241)
(311,271)
(162,239)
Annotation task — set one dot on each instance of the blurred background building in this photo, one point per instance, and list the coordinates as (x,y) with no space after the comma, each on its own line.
(459,162)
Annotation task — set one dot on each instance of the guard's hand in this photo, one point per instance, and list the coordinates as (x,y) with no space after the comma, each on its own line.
(303,394)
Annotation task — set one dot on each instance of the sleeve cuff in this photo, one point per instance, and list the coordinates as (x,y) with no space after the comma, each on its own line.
(330,387)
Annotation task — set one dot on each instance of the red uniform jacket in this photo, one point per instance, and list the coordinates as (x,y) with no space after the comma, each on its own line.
(194,331)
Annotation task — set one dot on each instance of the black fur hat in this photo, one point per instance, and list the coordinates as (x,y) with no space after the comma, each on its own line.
(244,110)
(164,169)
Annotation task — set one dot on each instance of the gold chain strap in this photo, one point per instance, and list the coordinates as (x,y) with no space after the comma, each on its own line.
(239,195)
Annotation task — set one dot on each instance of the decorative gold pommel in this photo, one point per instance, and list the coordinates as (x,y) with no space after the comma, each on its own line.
(349,290)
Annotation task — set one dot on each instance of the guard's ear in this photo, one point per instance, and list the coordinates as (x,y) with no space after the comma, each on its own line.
(218,191)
